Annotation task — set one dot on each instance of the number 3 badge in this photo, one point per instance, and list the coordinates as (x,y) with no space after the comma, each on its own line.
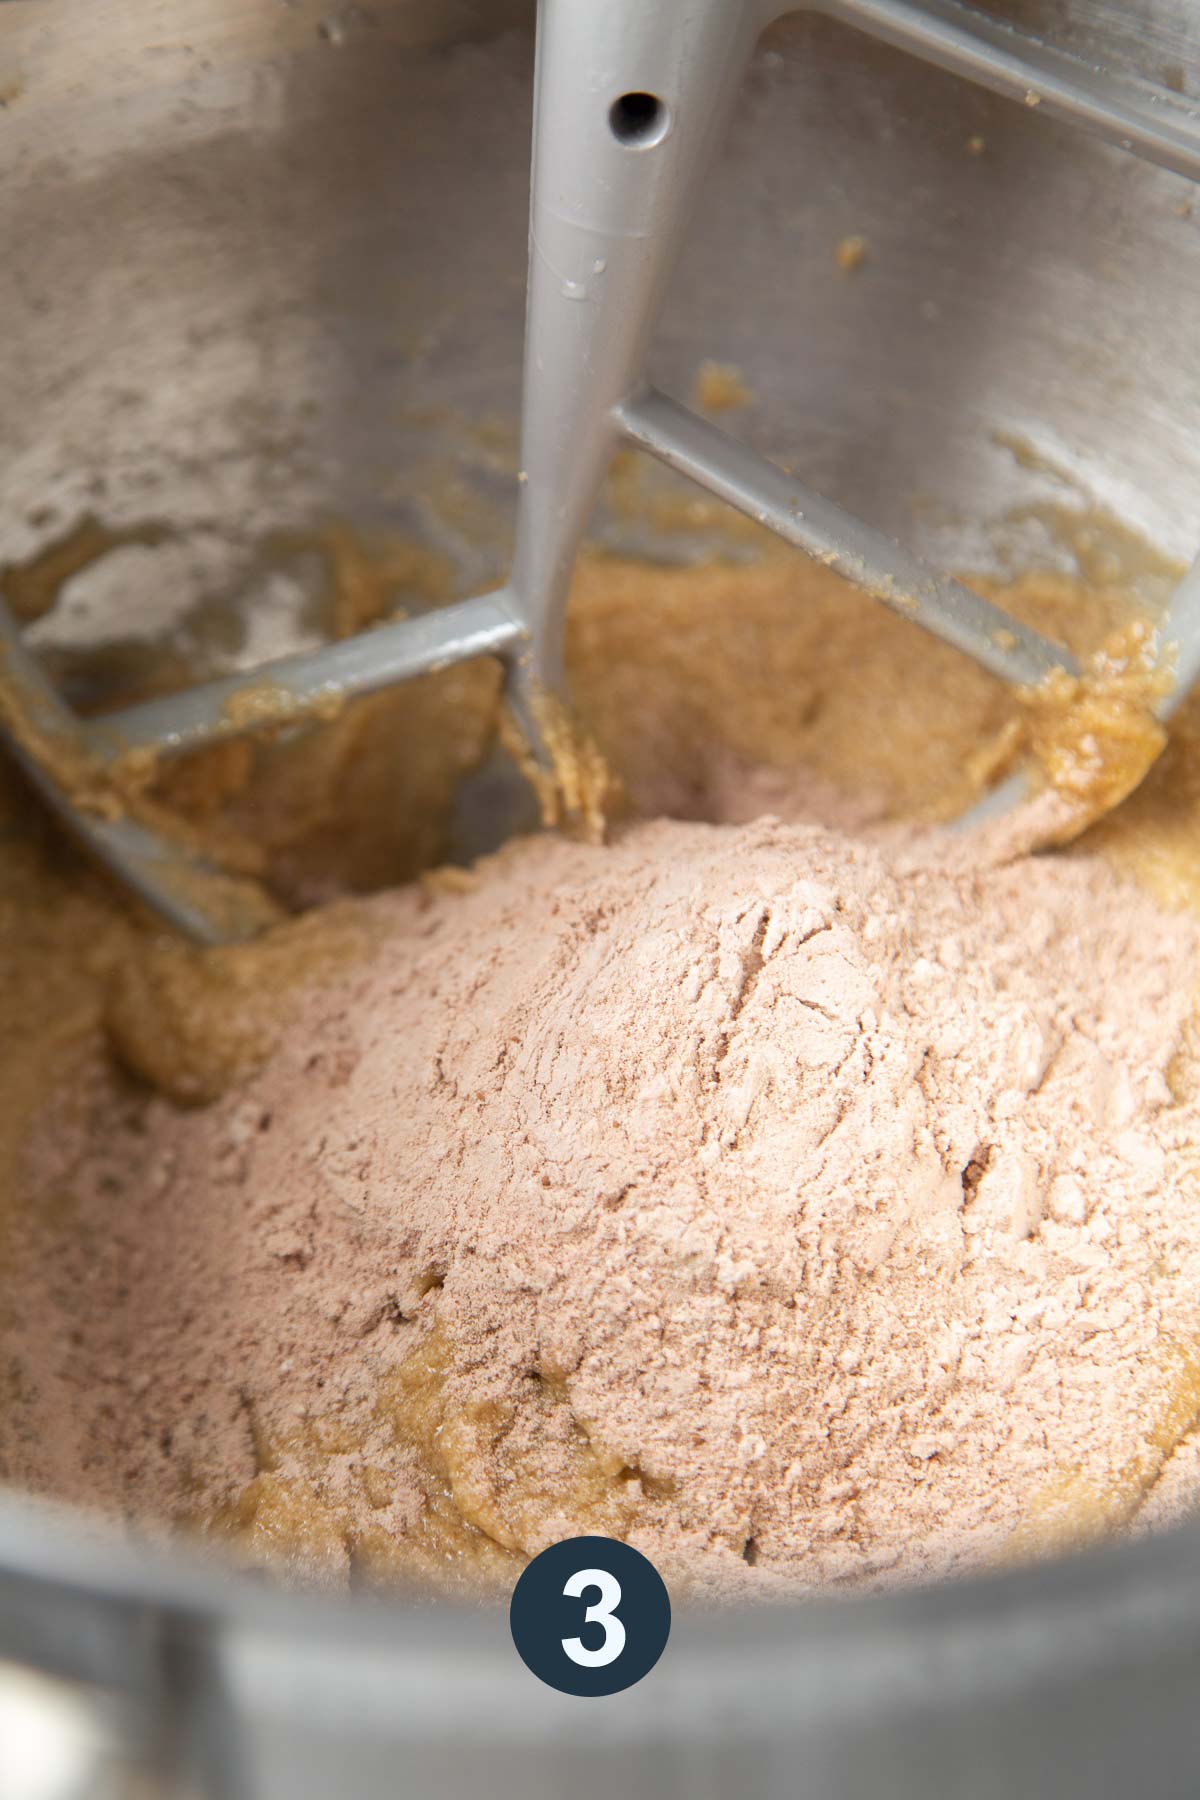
(590,1616)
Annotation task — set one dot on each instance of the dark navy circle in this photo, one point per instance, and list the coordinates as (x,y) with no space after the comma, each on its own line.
(590,1616)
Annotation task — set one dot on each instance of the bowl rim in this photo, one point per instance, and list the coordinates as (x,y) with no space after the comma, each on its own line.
(80,1602)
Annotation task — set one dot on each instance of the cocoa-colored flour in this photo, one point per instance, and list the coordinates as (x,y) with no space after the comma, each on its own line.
(801,1207)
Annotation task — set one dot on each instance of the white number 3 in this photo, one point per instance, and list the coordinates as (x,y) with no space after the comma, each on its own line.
(603,1613)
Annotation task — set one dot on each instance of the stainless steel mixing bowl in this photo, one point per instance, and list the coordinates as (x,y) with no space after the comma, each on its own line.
(264,262)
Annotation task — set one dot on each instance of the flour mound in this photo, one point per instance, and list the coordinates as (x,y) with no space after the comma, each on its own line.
(799,1208)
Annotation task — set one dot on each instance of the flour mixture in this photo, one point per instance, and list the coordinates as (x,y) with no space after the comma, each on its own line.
(804,1195)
